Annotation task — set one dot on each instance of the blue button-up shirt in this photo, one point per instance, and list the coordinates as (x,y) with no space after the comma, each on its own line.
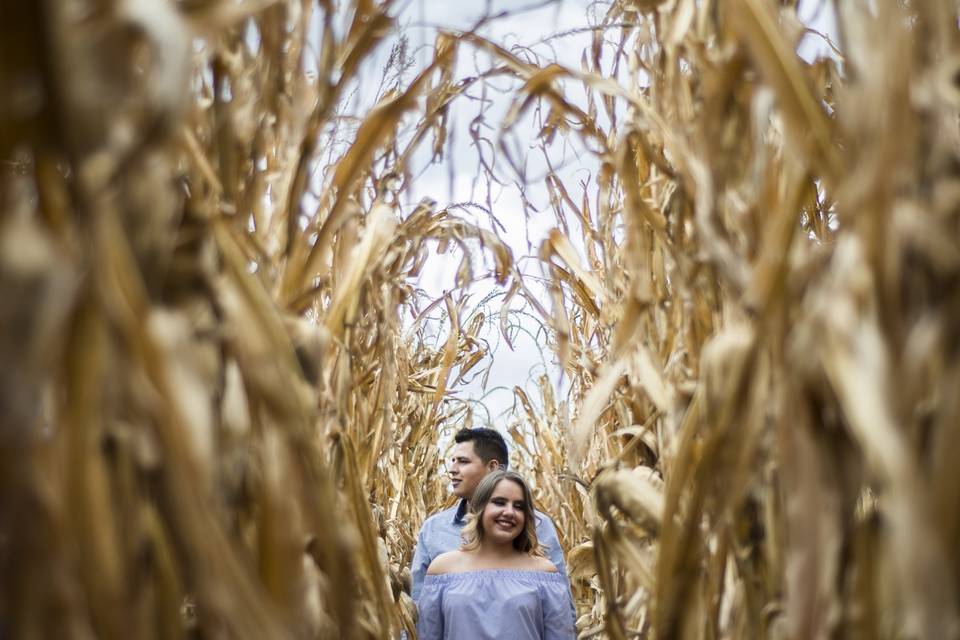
(441,533)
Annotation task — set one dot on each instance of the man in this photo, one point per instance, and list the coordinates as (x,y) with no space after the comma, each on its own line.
(476,453)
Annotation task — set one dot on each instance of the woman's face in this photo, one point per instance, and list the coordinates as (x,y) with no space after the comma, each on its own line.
(503,517)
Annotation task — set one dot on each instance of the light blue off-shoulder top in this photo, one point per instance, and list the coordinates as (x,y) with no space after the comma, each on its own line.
(496,604)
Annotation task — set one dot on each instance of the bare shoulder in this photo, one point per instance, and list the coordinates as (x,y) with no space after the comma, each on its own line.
(446,562)
(536,563)
(543,564)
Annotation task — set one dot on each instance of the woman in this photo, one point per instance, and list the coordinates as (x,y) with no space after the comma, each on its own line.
(498,584)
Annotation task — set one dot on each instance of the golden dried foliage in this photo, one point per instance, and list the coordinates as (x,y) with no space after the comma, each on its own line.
(759,330)
(217,422)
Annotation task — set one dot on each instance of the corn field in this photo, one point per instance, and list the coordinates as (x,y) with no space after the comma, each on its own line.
(226,398)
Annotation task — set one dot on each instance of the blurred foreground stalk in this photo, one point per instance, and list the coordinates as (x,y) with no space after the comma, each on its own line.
(205,382)
(761,324)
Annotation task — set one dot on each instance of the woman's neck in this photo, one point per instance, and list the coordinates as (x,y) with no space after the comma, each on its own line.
(493,550)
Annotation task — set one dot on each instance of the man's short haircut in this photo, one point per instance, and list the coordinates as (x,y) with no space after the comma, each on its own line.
(488,444)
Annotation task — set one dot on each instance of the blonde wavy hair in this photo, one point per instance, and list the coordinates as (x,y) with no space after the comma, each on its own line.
(472,533)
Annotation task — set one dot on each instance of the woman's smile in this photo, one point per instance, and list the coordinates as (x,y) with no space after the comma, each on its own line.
(503,516)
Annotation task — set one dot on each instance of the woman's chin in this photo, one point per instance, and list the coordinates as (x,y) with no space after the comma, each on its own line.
(504,537)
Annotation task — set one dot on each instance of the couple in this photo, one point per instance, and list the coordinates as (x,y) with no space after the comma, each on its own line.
(481,573)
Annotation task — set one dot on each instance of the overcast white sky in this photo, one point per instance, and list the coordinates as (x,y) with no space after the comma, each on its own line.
(454,179)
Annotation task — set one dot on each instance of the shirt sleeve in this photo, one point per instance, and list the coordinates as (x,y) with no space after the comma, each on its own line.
(557,607)
(547,536)
(430,612)
(418,566)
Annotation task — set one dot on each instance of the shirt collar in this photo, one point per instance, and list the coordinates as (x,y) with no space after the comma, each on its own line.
(460,512)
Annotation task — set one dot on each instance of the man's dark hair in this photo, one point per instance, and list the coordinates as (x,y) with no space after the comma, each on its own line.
(488,444)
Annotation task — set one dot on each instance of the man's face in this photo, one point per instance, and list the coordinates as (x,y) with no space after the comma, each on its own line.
(466,469)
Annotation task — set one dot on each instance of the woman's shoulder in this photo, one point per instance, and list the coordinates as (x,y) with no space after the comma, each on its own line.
(539,563)
(460,561)
(447,562)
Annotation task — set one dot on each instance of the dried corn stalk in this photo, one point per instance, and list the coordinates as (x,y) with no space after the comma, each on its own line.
(215,420)
(209,382)
(756,313)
